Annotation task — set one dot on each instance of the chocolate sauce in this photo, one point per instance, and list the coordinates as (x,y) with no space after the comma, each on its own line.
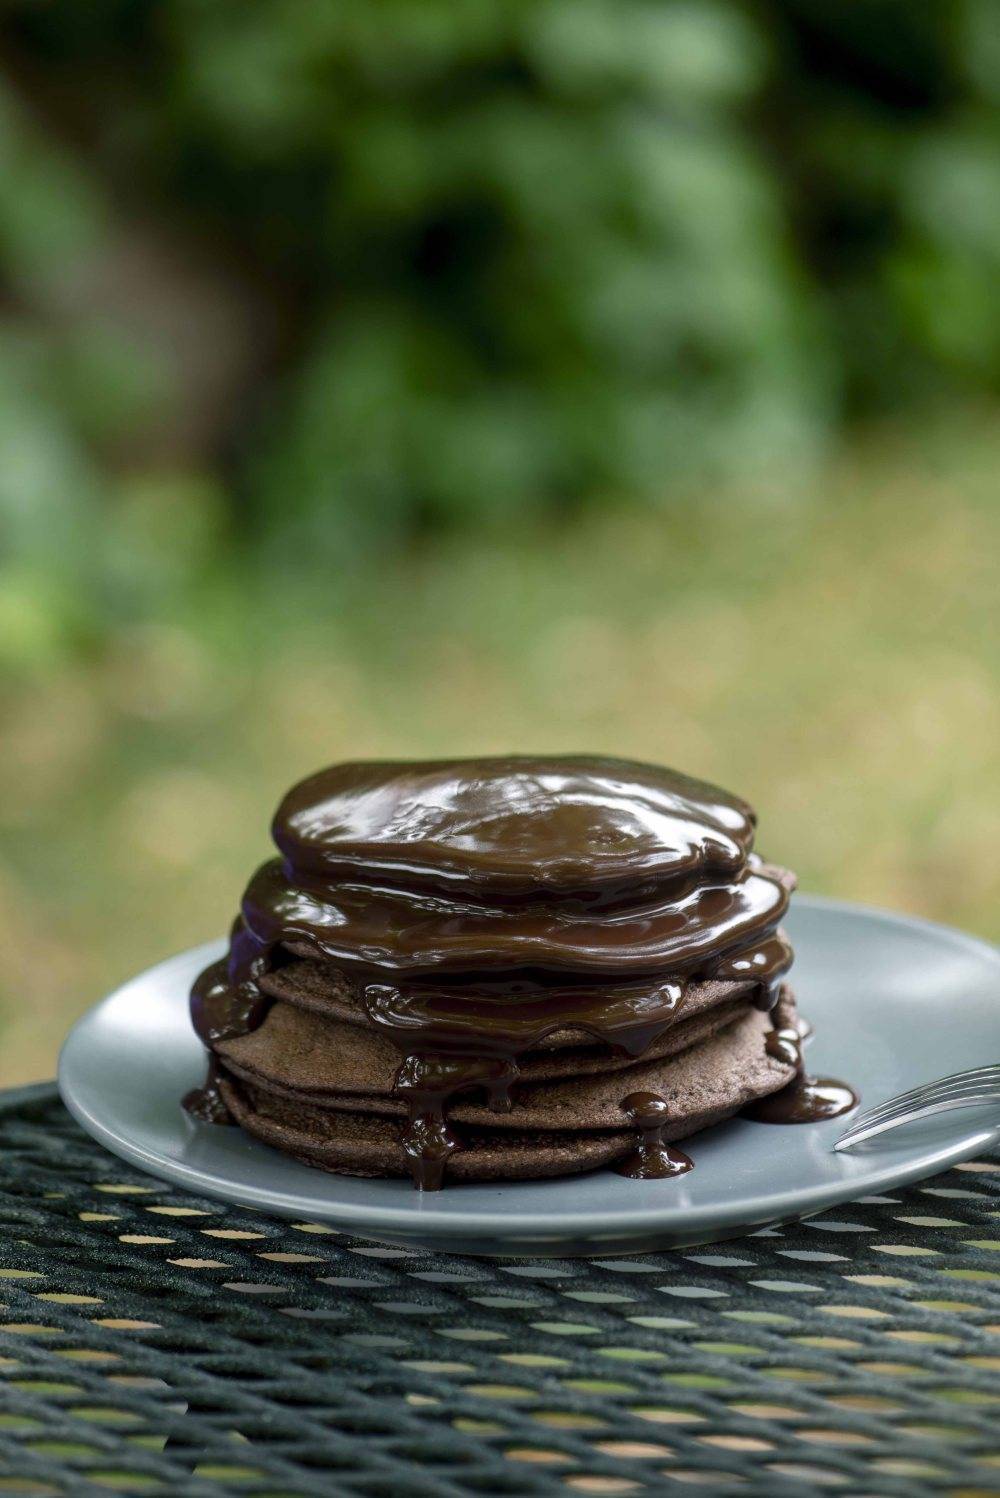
(206,1102)
(365,927)
(805,1099)
(426,1083)
(479,906)
(784,1045)
(428,1144)
(574,825)
(766,963)
(652,1159)
(507,1019)
(225,1002)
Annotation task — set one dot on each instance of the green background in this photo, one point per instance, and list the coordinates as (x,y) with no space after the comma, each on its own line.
(398,377)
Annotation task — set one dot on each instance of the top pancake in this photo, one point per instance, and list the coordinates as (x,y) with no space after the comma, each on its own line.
(557,826)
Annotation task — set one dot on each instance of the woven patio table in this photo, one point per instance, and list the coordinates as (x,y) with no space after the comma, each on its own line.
(157,1342)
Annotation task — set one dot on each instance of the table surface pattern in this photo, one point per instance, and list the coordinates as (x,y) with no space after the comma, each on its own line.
(155,1342)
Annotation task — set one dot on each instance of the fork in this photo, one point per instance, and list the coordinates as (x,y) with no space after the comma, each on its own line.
(963,1089)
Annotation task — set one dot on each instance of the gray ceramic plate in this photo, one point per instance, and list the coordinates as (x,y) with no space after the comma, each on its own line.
(894,1001)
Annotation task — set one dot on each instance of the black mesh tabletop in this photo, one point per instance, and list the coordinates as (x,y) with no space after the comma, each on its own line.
(156,1342)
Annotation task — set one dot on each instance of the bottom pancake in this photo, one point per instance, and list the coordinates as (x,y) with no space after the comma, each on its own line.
(701,1086)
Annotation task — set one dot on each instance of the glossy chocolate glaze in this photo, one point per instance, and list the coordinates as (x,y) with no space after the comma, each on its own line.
(426,1083)
(806,1099)
(766,963)
(206,1102)
(508,1019)
(652,1159)
(225,1002)
(573,825)
(480,905)
(361,927)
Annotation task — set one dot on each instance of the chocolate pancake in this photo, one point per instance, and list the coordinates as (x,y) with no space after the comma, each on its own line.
(325,991)
(560,1128)
(298,1049)
(482,967)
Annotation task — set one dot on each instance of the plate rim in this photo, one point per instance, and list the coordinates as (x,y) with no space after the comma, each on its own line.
(474,1224)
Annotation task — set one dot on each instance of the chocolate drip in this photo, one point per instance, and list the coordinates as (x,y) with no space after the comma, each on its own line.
(481,906)
(456,1039)
(427,1083)
(784,1046)
(226,1001)
(766,963)
(206,1102)
(806,1099)
(509,1019)
(652,1159)
(428,1144)
(506,1019)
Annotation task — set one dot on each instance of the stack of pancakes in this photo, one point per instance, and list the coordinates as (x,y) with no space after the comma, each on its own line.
(465,970)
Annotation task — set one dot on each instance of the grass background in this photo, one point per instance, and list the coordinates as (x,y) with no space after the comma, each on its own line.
(832,653)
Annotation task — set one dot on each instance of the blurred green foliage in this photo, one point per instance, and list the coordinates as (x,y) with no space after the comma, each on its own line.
(557,311)
(345,272)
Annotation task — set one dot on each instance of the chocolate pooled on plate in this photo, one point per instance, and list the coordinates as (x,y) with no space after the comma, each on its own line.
(505,968)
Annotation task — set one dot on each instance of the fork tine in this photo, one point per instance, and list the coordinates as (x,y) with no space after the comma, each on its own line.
(984,1076)
(979,1073)
(951,1093)
(866,1128)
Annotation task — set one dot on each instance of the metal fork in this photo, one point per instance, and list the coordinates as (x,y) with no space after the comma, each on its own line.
(963,1089)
